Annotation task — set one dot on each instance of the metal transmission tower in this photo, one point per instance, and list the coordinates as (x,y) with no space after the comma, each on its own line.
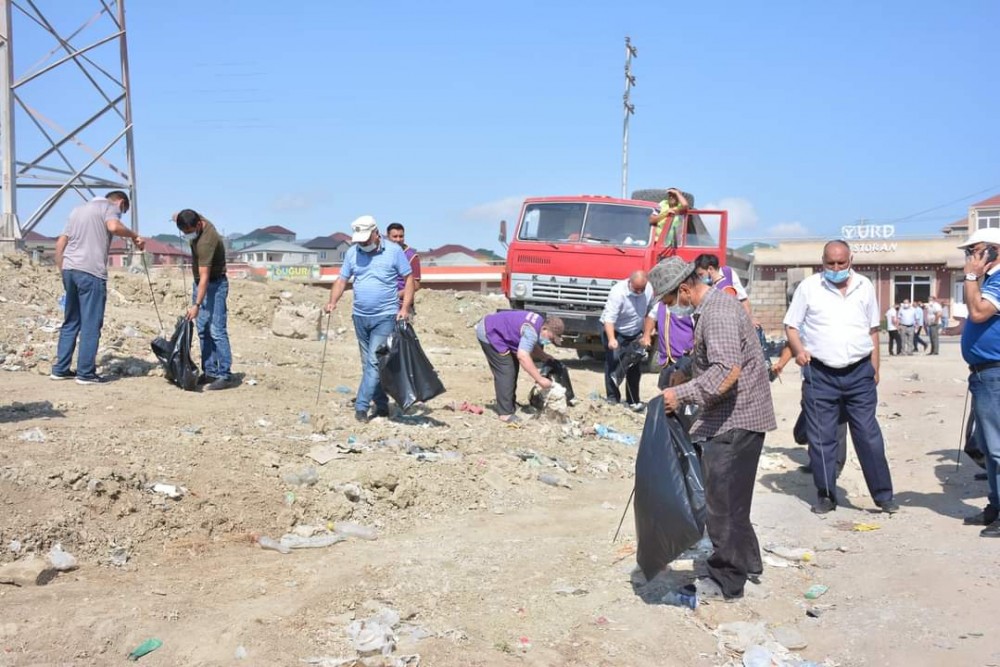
(82,75)
(630,52)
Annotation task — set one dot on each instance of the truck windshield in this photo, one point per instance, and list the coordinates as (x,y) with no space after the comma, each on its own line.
(614,224)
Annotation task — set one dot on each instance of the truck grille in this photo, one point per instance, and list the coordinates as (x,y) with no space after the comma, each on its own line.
(570,294)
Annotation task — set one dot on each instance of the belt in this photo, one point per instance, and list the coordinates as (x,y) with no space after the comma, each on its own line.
(212,280)
(848,367)
(978,368)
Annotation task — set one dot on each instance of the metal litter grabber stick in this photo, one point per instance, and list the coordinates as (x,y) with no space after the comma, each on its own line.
(961,432)
(629,502)
(322,362)
(152,296)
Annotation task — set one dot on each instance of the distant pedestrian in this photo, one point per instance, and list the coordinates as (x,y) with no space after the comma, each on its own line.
(376,265)
(622,321)
(210,294)
(82,258)
(918,326)
(981,350)
(513,339)
(730,385)
(397,234)
(892,326)
(932,321)
(832,327)
(907,317)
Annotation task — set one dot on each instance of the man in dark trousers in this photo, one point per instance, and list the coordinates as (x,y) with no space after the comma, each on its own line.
(622,324)
(210,294)
(832,327)
(981,351)
(731,386)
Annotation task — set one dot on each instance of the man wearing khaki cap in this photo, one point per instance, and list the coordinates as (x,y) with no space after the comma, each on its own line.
(730,385)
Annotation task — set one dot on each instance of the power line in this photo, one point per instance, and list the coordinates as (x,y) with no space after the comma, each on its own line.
(906,218)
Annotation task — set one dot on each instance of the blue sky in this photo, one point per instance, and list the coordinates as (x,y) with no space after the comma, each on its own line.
(799,117)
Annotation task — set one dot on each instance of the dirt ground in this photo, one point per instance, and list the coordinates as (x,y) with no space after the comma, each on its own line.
(485,564)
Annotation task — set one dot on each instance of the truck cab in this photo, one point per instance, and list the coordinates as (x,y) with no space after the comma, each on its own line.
(567,252)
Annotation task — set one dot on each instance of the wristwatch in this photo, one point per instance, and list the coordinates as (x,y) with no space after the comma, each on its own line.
(971,277)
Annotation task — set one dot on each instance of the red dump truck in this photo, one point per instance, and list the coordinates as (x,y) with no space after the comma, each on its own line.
(567,252)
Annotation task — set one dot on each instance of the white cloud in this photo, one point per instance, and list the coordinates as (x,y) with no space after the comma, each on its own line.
(787,230)
(742,214)
(297,201)
(493,212)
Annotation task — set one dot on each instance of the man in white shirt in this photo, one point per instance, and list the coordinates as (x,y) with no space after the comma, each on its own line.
(622,320)
(892,326)
(832,327)
(907,325)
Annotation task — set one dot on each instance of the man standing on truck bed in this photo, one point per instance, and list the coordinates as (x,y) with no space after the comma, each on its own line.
(675,204)
(622,321)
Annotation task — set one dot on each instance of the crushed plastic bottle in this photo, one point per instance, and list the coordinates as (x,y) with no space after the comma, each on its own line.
(553,480)
(272,545)
(350,529)
(609,433)
(292,541)
(144,648)
(61,560)
(678,599)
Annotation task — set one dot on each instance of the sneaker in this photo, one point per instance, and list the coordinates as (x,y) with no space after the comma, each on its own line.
(94,379)
(511,419)
(68,375)
(824,505)
(361,416)
(992,530)
(988,516)
(637,407)
(206,379)
(218,383)
(889,506)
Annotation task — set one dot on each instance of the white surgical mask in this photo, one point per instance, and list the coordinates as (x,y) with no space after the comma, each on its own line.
(191,236)
(368,247)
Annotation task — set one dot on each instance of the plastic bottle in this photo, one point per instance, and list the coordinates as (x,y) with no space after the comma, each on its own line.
(350,529)
(60,560)
(757,656)
(291,541)
(144,648)
(272,545)
(681,600)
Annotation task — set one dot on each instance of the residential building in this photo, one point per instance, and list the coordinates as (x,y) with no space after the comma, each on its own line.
(330,249)
(157,254)
(278,252)
(452,255)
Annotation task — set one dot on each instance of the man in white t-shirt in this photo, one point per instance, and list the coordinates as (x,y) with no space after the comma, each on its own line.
(932,321)
(892,326)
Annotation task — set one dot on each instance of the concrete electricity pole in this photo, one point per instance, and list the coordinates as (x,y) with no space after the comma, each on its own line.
(630,52)
(44,156)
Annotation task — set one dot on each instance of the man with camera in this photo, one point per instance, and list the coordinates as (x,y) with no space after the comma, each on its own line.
(981,350)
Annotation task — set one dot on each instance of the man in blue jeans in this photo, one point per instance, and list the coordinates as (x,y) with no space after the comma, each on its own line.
(375,265)
(981,350)
(209,294)
(82,258)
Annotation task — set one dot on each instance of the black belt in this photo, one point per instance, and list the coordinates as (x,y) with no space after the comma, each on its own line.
(978,368)
(844,369)
(212,280)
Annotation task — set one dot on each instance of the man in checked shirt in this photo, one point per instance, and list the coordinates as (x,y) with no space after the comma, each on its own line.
(730,385)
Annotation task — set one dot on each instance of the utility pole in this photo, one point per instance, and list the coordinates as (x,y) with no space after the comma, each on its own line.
(49,160)
(630,52)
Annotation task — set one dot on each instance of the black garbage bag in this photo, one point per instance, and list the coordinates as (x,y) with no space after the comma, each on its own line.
(670,507)
(684,366)
(175,355)
(404,370)
(973,445)
(556,371)
(625,358)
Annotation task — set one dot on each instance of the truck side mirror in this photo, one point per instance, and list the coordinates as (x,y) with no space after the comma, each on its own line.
(503,233)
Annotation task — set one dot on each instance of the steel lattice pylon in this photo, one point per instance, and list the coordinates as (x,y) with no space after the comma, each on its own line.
(84,73)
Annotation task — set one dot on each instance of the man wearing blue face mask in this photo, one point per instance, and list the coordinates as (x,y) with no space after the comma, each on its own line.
(832,326)
(376,265)
(731,386)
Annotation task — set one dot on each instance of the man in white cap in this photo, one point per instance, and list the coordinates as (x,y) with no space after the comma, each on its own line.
(376,265)
(981,350)
(730,384)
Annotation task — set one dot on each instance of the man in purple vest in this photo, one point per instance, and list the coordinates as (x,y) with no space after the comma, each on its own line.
(397,234)
(722,279)
(675,338)
(510,339)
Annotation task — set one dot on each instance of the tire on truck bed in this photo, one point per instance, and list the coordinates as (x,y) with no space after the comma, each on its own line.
(658,194)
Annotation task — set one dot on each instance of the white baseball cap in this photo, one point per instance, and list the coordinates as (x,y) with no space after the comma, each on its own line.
(990,236)
(362,228)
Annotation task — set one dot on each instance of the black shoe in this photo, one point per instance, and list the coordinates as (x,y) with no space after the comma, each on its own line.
(754,577)
(824,505)
(806,470)
(382,412)
(204,378)
(68,375)
(980,477)
(992,530)
(94,379)
(219,383)
(988,516)
(889,506)
(361,416)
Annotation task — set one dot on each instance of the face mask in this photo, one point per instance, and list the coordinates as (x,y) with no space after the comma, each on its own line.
(837,277)
(679,310)
(544,341)
(368,247)
(191,236)
(706,279)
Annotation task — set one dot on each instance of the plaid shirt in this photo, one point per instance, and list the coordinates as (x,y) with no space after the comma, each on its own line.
(730,379)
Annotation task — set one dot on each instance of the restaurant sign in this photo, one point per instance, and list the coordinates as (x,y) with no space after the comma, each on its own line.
(869,238)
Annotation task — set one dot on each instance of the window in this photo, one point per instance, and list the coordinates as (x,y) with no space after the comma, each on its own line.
(552,222)
(988,219)
(615,224)
(907,286)
(703,230)
(322,254)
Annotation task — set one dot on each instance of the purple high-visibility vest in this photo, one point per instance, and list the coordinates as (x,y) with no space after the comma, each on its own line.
(726,284)
(503,329)
(681,335)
